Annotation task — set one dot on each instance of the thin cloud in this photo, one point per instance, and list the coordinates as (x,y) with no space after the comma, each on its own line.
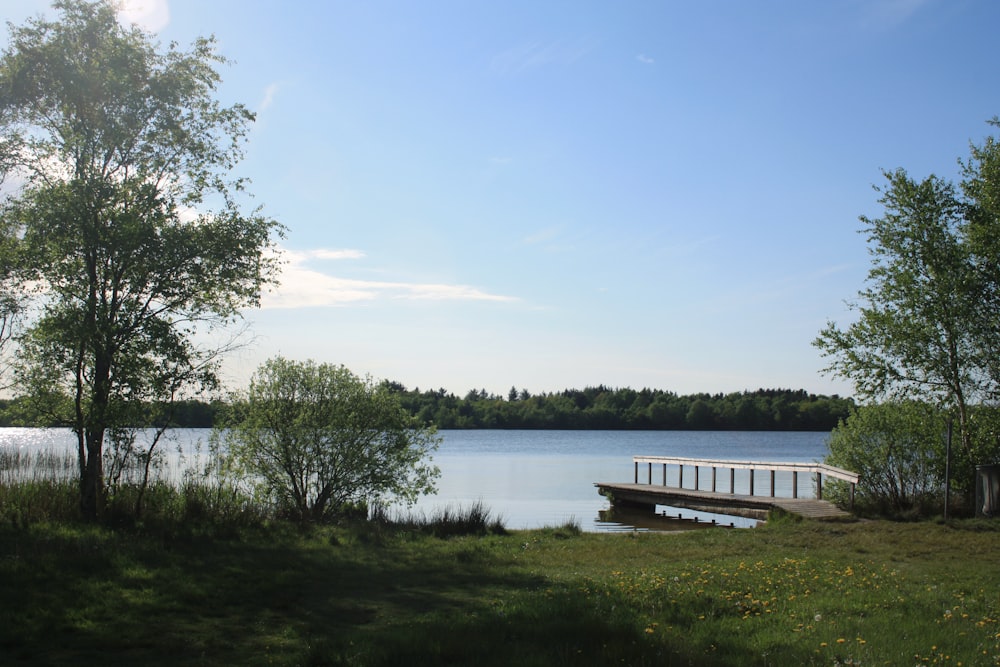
(305,287)
(890,13)
(151,15)
(542,235)
(644,59)
(533,55)
(269,94)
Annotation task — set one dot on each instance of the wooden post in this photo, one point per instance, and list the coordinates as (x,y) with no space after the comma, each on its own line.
(751,480)
(772,484)
(650,464)
(636,472)
(732,480)
(664,474)
(713,478)
(795,484)
(819,486)
(697,474)
(680,476)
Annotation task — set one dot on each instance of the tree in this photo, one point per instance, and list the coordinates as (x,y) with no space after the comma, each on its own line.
(927,326)
(981,189)
(318,438)
(897,450)
(127,217)
(11,298)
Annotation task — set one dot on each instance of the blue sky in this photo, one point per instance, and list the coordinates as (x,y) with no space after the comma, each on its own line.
(560,194)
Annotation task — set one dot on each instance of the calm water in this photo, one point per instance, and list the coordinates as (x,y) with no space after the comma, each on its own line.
(539,478)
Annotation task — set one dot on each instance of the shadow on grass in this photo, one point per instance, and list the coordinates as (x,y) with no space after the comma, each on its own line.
(87,595)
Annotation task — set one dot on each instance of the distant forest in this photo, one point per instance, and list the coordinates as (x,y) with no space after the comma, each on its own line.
(602,407)
(597,407)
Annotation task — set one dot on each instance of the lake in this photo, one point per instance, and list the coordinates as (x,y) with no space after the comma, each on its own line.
(534,479)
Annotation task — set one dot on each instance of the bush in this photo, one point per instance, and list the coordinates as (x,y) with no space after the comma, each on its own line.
(315,438)
(897,449)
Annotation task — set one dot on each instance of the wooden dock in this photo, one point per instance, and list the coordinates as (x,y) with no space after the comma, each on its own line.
(749,505)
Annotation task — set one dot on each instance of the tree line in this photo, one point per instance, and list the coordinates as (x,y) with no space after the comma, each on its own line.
(602,407)
(597,407)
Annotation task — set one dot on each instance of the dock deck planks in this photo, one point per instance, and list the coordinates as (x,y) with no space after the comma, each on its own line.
(723,503)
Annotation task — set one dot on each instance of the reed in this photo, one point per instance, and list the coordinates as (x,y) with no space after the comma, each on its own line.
(443,522)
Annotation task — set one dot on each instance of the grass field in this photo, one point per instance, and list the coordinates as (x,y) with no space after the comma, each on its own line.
(789,593)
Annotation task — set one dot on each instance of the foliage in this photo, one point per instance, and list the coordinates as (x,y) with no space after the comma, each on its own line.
(318,438)
(12,301)
(927,326)
(602,407)
(126,221)
(764,409)
(897,449)
(180,413)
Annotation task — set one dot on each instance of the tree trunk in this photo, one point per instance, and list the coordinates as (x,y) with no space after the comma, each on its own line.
(92,483)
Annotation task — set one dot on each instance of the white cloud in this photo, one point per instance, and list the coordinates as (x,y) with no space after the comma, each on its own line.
(644,59)
(327,253)
(269,94)
(305,287)
(151,15)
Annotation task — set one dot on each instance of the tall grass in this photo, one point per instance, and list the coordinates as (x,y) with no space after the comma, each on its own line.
(19,464)
(449,521)
(41,486)
(37,485)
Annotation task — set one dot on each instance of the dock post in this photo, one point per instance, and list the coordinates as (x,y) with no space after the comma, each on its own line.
(772,483)
(664,474)
(819,486)
(650,472)
(795,484)
(732,480)
(680,476)
(713,478)
(752,471)
(696,476)
(636,472)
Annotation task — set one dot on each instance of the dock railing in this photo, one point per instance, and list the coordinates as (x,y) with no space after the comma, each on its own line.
(816,469)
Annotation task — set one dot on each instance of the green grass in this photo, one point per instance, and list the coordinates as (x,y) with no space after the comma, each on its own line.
(792,593)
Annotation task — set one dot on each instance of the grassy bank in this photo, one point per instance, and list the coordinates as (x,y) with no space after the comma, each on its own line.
(867,593)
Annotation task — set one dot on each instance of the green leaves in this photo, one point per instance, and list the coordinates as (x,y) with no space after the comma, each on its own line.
(319,438)
(927,326)
(116,141)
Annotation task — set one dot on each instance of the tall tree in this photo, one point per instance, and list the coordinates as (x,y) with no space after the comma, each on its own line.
(981,187)
(927,321)
(127,216)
